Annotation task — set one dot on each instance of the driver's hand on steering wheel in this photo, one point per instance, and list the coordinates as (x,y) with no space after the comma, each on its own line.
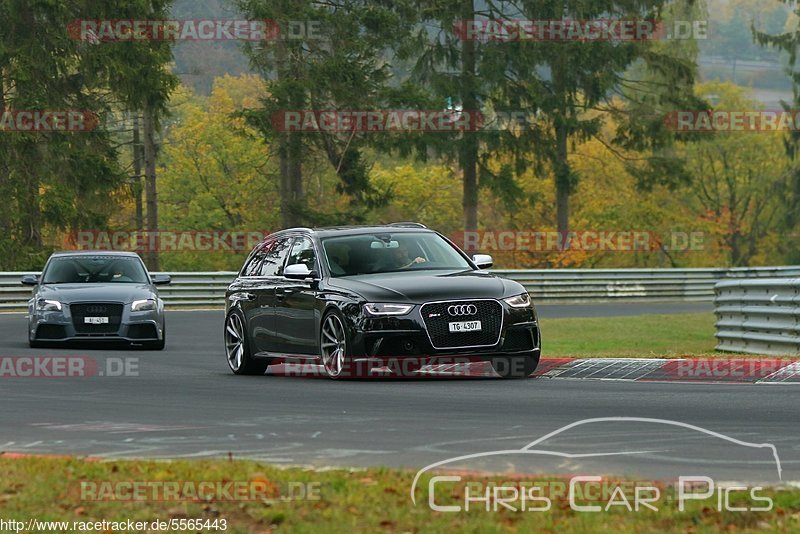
(418,259)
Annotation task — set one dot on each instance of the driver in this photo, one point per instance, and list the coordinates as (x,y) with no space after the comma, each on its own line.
(401,258)
(121,273)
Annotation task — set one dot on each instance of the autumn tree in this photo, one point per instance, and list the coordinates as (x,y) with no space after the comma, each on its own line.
(736,180)
(54,181)
(334,60)
(788,42)
(216,173)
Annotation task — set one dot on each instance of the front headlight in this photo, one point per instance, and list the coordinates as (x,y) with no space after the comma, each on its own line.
(48,305)
(385,308)
(519,301)
(143,305)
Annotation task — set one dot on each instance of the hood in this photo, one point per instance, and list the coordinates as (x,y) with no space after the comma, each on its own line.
(423,286)
(116,292)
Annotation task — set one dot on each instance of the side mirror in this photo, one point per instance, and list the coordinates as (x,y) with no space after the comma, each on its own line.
(483,261)
(30,280)
(299,271)
(161,279)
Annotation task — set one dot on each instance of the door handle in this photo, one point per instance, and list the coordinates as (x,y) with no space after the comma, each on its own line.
(281,294)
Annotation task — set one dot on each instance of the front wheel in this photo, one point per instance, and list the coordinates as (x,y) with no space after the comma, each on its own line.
(333,346)
(237,348)
(161,343)
(515,366)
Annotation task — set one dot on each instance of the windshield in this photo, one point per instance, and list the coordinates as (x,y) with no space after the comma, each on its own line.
(387,252)
(95,269)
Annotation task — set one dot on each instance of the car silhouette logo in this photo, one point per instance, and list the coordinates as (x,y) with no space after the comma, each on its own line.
(462,309)
(536,447)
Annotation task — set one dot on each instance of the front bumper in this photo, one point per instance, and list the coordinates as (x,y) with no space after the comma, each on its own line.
(391,338)
(59,326)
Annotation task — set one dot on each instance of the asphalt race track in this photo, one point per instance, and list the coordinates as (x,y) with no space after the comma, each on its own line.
(183,402)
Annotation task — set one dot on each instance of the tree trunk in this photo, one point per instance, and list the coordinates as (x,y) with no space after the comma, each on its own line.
(296,178)
(469,141)
(137,172)
(291,179)
(151,199)
(562,176)
(290,149)
(561,168)
(283,185)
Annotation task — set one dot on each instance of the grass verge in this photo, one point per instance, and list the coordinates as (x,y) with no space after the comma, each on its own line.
(371,500)
(642,336)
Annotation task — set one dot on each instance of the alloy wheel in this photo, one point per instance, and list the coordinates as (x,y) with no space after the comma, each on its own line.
(234,341)
(333,345)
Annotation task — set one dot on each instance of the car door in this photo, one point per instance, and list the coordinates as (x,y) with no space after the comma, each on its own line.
(252,296)
(263,327)
(295,307)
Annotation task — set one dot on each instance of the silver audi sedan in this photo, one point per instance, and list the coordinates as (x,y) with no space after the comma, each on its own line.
(96,296)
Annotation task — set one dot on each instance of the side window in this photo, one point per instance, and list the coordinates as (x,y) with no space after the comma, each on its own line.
(275,256)
(303,252)
(253,264)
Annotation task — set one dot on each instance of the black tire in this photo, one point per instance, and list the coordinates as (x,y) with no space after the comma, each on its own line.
(334,352)
(160,344)
(32,342)
(235,338)
(515,366)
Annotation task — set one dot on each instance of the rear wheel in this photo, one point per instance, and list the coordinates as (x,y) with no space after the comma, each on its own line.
(333,346)
(515,366)
(237,348)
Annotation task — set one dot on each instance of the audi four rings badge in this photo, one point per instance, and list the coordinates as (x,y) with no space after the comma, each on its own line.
(462,309)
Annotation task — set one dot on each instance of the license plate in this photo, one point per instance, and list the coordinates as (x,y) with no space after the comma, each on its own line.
(465,326)
(95,320)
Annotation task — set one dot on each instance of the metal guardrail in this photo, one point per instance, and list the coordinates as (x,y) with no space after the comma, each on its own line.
(633,284)
(207,289)
(188,289)
(758,316)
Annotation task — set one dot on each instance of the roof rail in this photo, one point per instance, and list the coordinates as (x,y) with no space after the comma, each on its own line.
(407,224)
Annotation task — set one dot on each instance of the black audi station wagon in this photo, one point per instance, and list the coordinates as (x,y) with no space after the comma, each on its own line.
(362,297)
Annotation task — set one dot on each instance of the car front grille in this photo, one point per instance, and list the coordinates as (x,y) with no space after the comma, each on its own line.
(96,309)
(437,319)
